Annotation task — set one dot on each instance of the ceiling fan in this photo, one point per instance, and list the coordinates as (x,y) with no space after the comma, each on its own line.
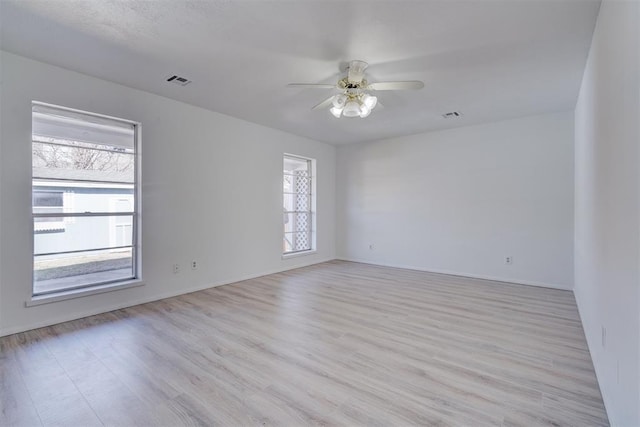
(354,99)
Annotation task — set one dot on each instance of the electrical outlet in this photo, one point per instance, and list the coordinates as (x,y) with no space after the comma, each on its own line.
(604,337)
(194,265)
(371,246)
(508,260)
(176,268)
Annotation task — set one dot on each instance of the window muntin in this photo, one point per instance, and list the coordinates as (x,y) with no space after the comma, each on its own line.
(84,192)
(298,201)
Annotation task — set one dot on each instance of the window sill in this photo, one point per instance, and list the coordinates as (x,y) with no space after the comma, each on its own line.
(297,254)
(78,293)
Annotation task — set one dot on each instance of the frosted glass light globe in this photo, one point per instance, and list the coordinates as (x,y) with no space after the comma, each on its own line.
(370,101)
(364,111)
(352,109)
(339,101)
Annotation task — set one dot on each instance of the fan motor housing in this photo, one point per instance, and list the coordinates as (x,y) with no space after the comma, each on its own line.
(346,84)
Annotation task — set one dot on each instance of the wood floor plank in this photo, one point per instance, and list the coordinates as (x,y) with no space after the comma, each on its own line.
(16,406)
(337,343)
(49,386)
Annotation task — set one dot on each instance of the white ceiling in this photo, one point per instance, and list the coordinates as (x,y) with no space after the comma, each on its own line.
(489,59)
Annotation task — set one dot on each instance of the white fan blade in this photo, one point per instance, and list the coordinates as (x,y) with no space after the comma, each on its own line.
(324,104)
(396,85)
(356,71)
(310,86)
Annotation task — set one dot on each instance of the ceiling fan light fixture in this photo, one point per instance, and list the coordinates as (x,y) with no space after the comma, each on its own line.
(351,109)
(337,112)
(355,98)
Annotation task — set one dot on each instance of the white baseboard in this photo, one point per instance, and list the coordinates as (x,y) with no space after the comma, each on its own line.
(87,313)
(461,274)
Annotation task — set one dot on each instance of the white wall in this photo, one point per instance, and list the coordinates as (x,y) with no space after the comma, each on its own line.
(211,192)
(607,216)
(459,201)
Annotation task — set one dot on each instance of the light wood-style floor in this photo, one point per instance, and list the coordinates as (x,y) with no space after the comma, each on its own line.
(337,343)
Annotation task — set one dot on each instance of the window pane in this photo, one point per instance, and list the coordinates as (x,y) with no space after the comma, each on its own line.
(297,222)
(297,202)
(53,273)
(84,233)
(61,124)
(297,241)
(82,197)
(295,164)
(287,245)
(54,161)
(287,183)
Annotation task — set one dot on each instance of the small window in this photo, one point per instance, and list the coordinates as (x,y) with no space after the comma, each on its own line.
(299,205)
(84,199)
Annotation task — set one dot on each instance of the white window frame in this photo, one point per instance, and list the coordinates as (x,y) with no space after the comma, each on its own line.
(312,212)
(69,217)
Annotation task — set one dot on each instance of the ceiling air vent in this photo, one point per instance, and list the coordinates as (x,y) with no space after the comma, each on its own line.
(179,80)
(452,115)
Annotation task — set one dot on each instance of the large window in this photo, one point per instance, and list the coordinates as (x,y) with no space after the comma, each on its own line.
(299,205)
(84,199)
